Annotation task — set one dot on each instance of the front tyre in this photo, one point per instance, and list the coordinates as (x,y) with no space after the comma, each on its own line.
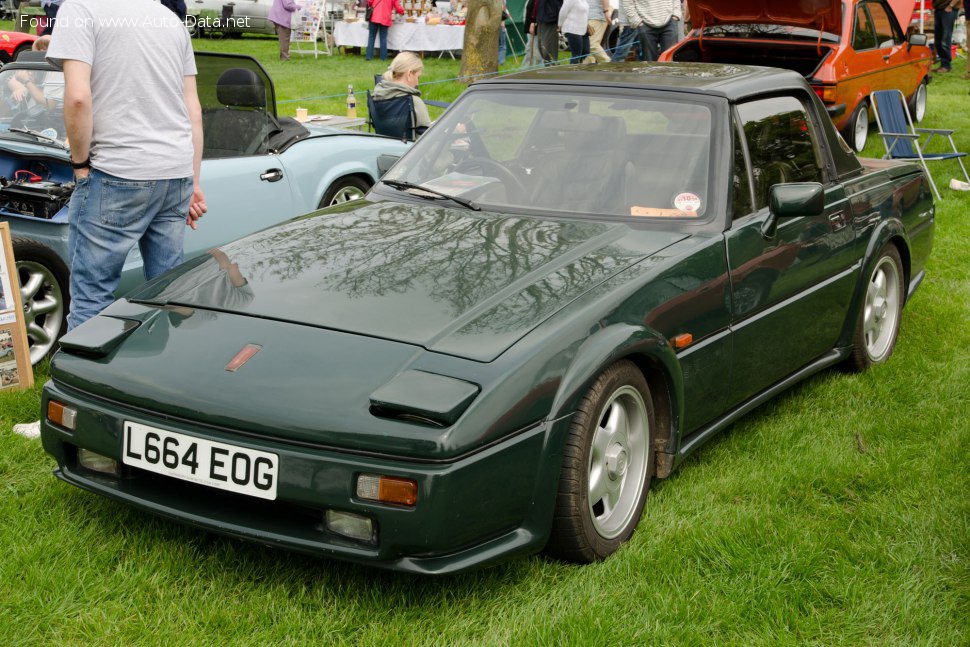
(606,470)
(877,327)
(344,190)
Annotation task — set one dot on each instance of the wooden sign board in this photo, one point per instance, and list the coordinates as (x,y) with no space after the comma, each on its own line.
(15,369)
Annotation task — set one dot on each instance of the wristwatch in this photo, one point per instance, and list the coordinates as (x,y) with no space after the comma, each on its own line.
(79,165)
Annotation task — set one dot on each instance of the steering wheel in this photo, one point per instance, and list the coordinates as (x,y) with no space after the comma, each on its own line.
(507,177)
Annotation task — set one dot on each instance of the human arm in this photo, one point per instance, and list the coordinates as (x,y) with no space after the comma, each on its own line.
(36,93)
(632,17)
(197,205)
(77,111)
(422,120)
(398,8)
(290,5)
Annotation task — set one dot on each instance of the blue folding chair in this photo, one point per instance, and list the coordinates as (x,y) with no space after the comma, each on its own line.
(392,117)
(902,139)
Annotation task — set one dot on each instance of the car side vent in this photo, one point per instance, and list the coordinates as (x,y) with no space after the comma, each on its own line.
(424,398)
(98,336)
(382,412)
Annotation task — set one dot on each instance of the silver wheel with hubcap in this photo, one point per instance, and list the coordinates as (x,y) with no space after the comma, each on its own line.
(880,317)
(860,127)
(880,312)
(618,462)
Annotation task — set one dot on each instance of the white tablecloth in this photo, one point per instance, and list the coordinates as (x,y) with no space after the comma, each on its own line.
(403,37)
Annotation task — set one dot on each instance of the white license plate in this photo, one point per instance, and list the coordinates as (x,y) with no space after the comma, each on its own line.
(218,465)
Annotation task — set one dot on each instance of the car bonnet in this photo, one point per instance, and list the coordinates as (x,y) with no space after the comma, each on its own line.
(454,281)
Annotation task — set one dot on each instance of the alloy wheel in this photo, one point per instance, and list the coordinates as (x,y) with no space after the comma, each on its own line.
(881,309)
(346,194)
(43,307)
(618,462)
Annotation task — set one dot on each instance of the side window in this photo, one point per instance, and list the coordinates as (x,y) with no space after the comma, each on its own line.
(740,180)
(886,35)
(863,36)
(782,144)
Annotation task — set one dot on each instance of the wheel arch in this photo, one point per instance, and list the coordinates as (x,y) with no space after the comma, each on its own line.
(361,174)
(887,232)
(656,360)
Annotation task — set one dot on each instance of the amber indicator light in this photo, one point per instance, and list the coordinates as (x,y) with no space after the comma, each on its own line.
(683,340)
(61,415)
(243,356)
(402,491)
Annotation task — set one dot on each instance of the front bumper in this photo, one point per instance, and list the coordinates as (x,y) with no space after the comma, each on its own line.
(478,509)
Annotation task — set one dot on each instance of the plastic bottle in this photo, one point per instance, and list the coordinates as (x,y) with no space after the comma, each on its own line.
(351,103)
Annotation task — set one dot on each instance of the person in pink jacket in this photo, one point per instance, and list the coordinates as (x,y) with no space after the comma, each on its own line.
(281,15)
(380,20)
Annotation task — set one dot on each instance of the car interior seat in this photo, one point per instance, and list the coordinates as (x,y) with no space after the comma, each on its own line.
(242,125)
(583,171)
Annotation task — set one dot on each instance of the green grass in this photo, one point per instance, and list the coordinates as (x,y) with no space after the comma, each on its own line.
(836,514)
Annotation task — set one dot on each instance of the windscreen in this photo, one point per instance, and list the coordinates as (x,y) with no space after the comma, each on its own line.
(33,100)
(569,153)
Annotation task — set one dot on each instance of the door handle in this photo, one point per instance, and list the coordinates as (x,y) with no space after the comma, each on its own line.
(837,220)
(272,175)
(886,57)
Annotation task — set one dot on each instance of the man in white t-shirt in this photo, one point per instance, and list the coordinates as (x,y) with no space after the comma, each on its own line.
(134,121)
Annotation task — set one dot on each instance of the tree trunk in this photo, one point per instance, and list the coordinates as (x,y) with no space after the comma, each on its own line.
(480,52)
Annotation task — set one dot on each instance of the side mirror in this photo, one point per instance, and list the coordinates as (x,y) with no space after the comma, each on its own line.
(792,200)
(919,40)
(385,162)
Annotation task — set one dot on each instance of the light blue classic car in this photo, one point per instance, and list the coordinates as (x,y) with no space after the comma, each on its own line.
(257,170)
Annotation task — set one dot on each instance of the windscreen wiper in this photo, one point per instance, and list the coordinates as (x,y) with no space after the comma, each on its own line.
(28,131)
(404,186)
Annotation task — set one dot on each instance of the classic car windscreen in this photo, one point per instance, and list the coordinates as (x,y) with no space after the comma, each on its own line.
(32,99)
(569,153)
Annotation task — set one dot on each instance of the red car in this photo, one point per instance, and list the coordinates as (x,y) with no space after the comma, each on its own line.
(12,43)
(846,50)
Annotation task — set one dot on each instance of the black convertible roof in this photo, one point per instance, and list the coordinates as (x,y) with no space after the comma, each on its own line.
(725,80)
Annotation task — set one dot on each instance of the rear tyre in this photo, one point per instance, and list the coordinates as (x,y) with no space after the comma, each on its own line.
(606,469)
(20,50)
(877,327)
(856,131)
(44,280)
(917,103)
(344,190)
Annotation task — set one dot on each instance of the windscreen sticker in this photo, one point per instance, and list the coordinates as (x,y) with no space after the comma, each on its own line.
(688,202)
(655,212)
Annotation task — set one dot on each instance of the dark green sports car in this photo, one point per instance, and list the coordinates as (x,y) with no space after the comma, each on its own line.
(571,282)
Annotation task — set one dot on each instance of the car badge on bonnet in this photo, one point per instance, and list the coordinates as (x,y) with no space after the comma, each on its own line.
(242,357)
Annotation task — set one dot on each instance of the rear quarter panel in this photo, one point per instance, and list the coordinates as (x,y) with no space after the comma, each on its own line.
(313,164)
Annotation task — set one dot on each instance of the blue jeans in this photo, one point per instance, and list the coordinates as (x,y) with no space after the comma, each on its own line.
(372,30)
(108,215)
(501,45)
(654,40)
(624,43)
(943,35)
(578,47)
